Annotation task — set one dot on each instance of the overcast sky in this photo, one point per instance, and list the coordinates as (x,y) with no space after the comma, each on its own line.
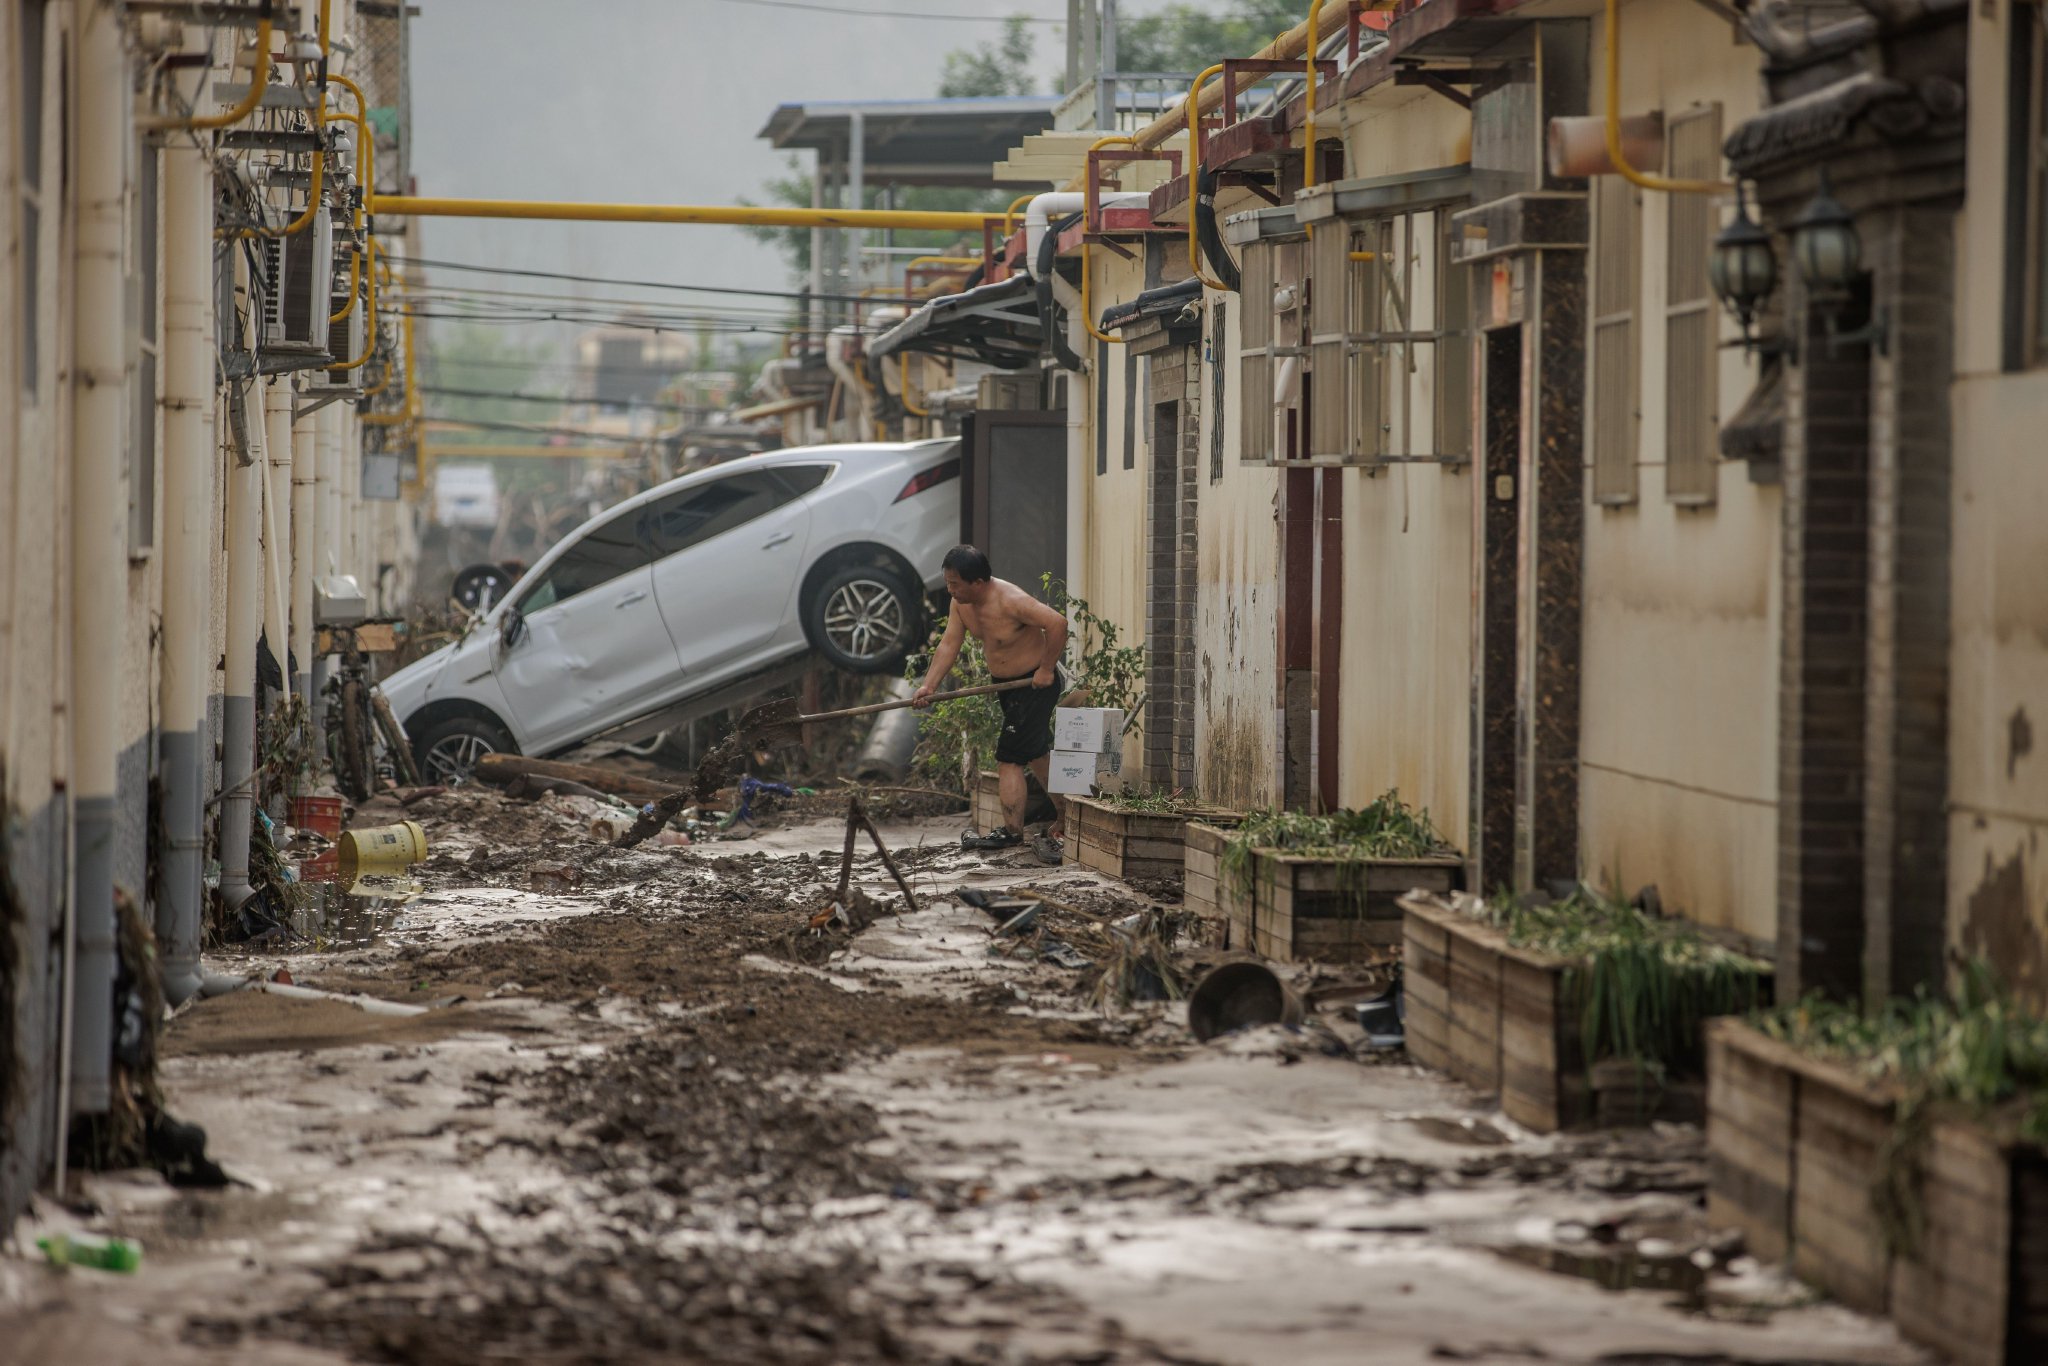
(656,101)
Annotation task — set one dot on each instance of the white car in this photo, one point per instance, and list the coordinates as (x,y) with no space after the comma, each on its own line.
(466,496)
(688,587)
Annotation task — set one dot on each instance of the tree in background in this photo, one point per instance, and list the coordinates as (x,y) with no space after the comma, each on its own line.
(1189,37)
(999,68)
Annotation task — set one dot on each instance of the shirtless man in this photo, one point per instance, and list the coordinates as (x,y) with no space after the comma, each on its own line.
(1022,638)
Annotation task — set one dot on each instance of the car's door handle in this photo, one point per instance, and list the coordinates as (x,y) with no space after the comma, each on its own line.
(777,539)
(630,598)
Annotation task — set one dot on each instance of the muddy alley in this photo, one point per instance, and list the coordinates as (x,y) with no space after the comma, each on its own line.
(577,1104)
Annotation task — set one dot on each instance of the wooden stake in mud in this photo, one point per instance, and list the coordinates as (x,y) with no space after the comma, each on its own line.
(856,820)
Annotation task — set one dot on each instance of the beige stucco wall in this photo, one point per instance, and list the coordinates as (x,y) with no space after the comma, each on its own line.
(1113,503)
(1998,684)
(1238,594)
(1679,668)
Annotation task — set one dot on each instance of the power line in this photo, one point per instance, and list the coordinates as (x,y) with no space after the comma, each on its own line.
(530,429)
(634,284)
(865,13)
(445,391)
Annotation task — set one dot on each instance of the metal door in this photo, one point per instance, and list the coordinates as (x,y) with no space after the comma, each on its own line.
(1013,501)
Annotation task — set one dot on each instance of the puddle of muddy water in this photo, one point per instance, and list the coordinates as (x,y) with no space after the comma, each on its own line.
(1620,1269)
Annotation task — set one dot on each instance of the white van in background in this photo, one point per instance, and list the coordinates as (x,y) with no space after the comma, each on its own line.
(466,496)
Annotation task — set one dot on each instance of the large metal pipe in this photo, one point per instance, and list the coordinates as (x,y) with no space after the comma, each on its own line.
(327,518)
(305,536)
(190,455)
(245,620)
(100,437)
(742,215)
(277,525)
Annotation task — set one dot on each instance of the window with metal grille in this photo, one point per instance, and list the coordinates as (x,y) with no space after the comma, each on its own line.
(1255,358)
(1691,358)
(1615,432)
(1391,353)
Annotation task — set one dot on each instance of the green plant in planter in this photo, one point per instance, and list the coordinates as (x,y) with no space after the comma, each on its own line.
(1387,828)
(1645,985)
(1980,1054)
(956,735)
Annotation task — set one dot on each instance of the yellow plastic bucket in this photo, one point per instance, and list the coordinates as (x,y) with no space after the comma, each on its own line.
(382,850)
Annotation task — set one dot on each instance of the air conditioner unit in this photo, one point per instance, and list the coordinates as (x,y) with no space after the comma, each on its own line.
(298,276)
(344,344)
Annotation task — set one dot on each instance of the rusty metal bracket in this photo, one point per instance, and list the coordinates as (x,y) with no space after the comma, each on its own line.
(1255,181)
(1092,178)
(1440,83)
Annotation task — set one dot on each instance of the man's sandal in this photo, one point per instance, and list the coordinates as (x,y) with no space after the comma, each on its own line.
(995,839)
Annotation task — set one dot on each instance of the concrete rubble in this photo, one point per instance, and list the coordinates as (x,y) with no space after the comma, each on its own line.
(649,1114)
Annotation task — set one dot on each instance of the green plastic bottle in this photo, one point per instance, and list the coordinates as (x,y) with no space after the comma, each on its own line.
(115,1254)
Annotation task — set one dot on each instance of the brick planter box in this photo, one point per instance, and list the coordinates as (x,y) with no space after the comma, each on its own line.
(1205,892)
(1496,1017)
(1130,844)
(1337,910)
(1794,1148)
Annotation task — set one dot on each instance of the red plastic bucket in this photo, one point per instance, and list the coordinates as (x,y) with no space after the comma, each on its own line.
(321,815)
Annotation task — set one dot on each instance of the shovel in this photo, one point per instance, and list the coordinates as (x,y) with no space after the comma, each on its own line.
(776,723)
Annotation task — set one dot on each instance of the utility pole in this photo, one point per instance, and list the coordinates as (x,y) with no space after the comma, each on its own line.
(1105,76)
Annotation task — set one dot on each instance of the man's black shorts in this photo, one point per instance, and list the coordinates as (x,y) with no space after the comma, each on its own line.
(1027,719)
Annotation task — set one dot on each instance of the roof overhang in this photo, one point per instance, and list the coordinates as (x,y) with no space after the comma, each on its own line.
(1261,225)
(996,324)
(913,142)
(1400,193)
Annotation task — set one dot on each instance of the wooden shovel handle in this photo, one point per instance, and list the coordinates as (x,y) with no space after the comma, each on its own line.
(874,707)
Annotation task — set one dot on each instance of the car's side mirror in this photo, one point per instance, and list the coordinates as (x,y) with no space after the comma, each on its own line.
(511,629)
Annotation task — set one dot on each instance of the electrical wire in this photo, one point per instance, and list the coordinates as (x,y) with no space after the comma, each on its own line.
(504,395)
(436,264)
(865,13)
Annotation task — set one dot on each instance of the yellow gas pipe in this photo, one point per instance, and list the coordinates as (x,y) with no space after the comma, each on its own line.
(1614,149)
(1194,107)
(738,215)
(305,220)
(259,78)
(366,147)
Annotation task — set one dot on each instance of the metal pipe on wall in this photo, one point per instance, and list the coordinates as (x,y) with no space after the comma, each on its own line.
(305,544)
(327,543)
(245,472)
(277,525)
(100,439)
(191,452)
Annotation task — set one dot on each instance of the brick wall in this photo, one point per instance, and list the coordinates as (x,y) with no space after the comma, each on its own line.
(1170,558)
(1911,253)
(1823,648)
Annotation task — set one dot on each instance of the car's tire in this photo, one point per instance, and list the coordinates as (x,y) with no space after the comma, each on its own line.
(482,586)
(447,751)
(865,619)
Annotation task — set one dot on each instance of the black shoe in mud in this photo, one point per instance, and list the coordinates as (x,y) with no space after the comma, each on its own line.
(1050,849)
(995,839)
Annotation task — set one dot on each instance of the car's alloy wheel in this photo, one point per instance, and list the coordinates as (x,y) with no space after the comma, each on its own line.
(453,758)
(865,618)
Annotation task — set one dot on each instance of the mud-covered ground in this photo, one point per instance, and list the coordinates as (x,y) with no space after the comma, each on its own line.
(569,1104)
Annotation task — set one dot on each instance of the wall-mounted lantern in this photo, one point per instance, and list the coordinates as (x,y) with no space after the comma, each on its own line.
(1829,254)
(1742,268)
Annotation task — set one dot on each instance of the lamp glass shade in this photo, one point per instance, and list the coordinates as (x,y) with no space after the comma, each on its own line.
(1742,268)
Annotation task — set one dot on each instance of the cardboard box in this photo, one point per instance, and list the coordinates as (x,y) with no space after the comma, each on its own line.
(1077,772)
(1089,729)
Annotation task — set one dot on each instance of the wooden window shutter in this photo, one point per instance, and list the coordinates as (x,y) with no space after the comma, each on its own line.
(1330,436)
(1691,358)
(1617,419)
(1255,363)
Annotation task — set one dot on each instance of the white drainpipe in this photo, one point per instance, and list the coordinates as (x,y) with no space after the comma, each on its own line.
(277,525)
(191,453)
(245,621)
(305,544)
(1058,204)
(100,441)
